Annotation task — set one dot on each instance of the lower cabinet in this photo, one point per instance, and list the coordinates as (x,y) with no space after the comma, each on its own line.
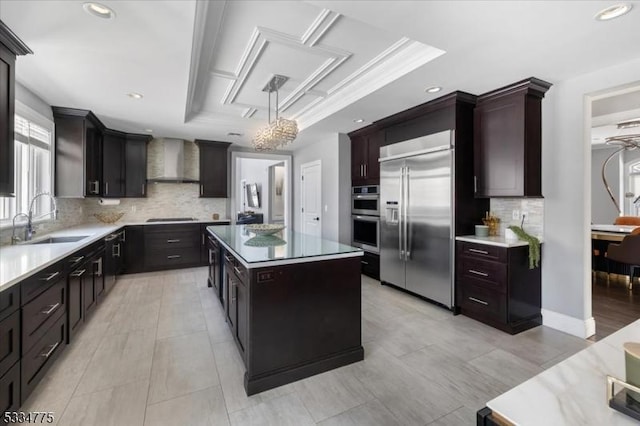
(494,285)
(370,263)
(10,389)
(236,308)
(215,267)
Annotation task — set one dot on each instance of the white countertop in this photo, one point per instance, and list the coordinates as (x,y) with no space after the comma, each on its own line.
(20,261)
(500,241)
(621,229)
(572,392)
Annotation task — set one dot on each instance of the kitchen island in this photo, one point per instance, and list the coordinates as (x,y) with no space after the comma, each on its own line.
(292,301)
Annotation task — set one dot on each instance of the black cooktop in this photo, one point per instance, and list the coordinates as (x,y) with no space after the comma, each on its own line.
(171,219)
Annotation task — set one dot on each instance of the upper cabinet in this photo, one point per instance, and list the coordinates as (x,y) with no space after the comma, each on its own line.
(93,161)
(365,151)
(10,47)
(113,166)
(213,168)
(135,165)
(507,139)
(78,165)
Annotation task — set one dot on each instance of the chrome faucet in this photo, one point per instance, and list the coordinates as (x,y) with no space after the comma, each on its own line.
(14,238)
(29,231)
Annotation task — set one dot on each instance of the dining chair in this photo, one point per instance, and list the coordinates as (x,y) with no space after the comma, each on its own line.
(627,253)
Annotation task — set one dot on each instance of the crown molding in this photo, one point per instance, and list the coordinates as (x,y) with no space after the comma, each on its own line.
(12,41)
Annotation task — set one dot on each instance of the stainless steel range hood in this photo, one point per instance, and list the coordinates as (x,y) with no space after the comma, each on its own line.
(172,169)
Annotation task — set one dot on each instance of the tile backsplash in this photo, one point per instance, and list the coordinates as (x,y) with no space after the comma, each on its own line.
(163,200)
(533,207)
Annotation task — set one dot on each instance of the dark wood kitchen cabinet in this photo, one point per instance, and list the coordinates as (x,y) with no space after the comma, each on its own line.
(78,153)
(76,281)
(113,165)
(507,140)
(494,285)
(134,250)
(365,151)
(236,280)
(213,168)
(10,47)
(135,159)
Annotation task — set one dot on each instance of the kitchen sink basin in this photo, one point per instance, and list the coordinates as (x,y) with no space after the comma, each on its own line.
(55,240)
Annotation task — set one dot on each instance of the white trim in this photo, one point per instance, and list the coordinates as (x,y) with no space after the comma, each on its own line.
(288,179)
(34,116)
(565,323)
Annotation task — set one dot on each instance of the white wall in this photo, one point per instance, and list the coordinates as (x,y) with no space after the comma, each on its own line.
(334,153)
(566,164)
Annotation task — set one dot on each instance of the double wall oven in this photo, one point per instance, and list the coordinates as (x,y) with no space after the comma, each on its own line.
(365,218)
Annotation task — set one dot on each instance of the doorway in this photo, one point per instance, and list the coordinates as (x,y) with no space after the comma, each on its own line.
(311,198)
(260,188)
(614,193)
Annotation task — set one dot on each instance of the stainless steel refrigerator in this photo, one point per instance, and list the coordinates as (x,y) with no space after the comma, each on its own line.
(416,223)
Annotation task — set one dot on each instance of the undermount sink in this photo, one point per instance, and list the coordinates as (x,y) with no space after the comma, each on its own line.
(55,240)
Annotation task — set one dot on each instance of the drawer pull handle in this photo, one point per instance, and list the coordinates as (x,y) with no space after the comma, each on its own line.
(174,256)
(53,348)
(482,302)
(51,309)
(238,271)
(478,251)
(173,241)
(364,263)
(482,274)
(78,273)
(75,260)
(228,258)
(50,277)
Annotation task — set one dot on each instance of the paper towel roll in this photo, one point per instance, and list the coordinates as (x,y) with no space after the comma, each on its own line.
(108,202)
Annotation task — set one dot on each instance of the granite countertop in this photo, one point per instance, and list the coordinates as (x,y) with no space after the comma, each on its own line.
(284,248)
(500,241)
(572,392)
(20,261)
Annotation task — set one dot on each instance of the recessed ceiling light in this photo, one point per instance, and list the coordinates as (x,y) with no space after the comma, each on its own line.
(614,11)
(234,134)
(359,120)
(135,95)
(99,10)
(148,130)
(434,89)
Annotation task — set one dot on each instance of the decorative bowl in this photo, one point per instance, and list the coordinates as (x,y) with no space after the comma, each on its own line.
(264,228)
(265,241)
(109,217)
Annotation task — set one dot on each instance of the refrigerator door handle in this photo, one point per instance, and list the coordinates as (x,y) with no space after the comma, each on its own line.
(407,224)
(400,204)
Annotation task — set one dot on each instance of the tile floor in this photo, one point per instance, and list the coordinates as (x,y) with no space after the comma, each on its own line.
(158,352)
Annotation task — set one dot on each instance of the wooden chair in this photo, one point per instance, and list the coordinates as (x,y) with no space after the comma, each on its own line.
(628,253)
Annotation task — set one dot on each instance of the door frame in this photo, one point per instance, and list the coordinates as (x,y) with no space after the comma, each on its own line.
(302,167)
(288,179)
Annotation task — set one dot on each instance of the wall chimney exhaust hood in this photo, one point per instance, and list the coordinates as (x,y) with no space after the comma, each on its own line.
(170,164)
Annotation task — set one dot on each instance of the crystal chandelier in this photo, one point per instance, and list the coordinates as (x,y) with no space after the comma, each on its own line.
(279,132)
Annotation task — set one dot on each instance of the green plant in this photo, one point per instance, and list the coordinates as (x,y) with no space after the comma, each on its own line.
(534,245)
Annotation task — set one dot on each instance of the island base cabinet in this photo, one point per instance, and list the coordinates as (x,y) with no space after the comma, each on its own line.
(302,319)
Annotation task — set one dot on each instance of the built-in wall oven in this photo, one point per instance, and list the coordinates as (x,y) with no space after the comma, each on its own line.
(365,218)
(365,200)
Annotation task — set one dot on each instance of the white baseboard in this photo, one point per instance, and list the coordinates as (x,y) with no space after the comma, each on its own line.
(565,323)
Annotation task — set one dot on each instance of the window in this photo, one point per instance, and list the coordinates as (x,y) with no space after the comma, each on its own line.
(33,165)
(634,188)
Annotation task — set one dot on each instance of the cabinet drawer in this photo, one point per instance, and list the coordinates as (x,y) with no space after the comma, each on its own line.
(484,302)
(483,273)
(33,286)
(10,390)
(171,240)
(370,264)
(172,257)
(234,265)
(9,342)
(482,251)
(39,359)
(39,314)
(9,301)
